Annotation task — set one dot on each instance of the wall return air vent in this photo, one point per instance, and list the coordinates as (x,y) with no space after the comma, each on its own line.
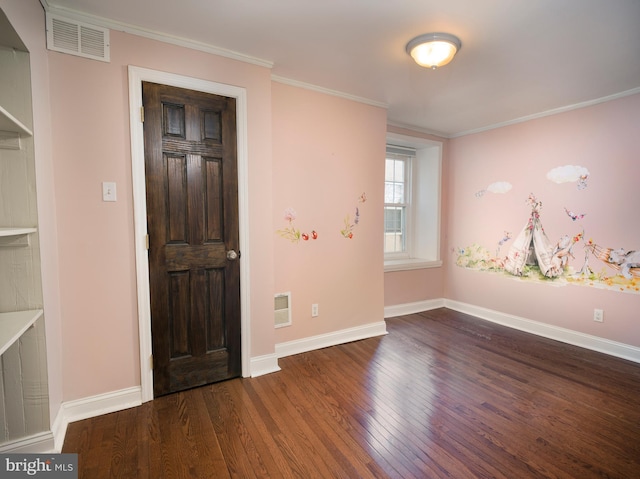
(76,38)
(282,306)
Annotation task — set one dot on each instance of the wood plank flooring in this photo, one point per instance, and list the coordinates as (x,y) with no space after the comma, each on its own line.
(443,395)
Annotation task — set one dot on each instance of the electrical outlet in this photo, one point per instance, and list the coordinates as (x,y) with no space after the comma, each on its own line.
(314,310)
(598,315)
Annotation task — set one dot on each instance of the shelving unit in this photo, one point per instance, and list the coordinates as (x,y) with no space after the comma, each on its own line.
(24,401)
(13,325)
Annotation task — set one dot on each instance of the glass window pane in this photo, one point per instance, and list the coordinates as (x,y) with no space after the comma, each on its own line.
(388,192)
(394,225)
(388,170)
(394,181)
(398,193)
(398,172)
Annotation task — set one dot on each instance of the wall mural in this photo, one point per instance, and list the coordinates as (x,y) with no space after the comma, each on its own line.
(532,256)
(292,233)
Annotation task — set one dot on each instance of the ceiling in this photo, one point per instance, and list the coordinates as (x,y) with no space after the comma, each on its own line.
(519,58)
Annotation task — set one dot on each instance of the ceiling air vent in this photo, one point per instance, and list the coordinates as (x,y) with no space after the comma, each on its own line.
(282,303)
(77,38)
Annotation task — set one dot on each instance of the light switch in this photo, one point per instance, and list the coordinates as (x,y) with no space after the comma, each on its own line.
(108,191)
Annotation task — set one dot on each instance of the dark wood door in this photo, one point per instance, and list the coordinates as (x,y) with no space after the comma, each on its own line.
(192,221)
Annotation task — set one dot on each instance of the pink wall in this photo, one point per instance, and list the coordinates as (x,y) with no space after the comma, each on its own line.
(402,287)
(27,18)
(97,266)
(327,151)
(413,286)
(604,139)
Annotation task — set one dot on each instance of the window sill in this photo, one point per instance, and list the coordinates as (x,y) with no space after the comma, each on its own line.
(409,264)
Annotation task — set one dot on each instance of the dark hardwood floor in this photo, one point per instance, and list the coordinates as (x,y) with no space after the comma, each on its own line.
(442,395)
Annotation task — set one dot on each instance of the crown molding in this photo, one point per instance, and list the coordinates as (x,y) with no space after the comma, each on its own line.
(417,129)
(555,111)
(535,116)
(200,46)
(309,86)
(153,35)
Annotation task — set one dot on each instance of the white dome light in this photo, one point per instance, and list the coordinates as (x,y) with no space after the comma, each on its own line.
(433,50)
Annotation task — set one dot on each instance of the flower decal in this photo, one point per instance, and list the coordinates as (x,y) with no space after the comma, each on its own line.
(291,232)
(350,224)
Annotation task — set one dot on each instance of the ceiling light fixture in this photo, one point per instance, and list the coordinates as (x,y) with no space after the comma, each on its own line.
(433,50)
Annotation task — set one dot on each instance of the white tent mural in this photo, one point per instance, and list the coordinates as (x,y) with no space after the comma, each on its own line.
(532,247)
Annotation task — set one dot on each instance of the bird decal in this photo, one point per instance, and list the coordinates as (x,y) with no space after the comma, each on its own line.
(574,216)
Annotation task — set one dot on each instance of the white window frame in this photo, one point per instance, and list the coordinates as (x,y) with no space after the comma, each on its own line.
(408,189)
(423,222)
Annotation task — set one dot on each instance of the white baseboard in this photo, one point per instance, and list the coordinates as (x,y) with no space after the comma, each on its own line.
(412,308)
(331,339)
(587,341)
(59,429)
(84,408)
(262,365)
(41,443)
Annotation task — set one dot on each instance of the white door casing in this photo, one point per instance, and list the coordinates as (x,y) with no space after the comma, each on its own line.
(136,76)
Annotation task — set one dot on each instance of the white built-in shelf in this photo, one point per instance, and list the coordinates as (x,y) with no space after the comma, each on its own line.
(13,325)
(16,231)
(10,123)
(15,236)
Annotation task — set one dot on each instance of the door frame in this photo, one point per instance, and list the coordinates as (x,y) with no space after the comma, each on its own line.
(136,76)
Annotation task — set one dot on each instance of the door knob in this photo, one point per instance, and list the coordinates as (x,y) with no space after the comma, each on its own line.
(232,255)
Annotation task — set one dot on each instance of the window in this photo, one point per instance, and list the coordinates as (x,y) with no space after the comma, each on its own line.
(397,181)
(412,203)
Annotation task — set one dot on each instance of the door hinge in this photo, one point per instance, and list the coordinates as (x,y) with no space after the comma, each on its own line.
(142,114)
(146,241)
(151,362)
